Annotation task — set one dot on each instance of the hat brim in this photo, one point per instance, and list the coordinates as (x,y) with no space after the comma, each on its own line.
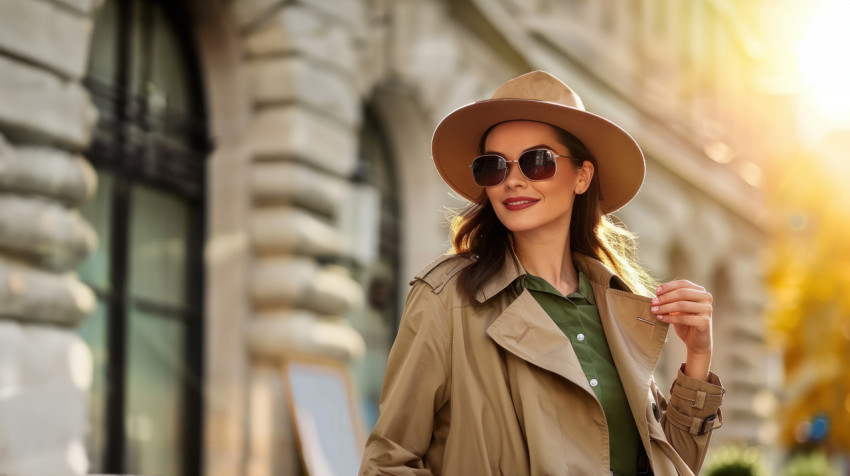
(620,163)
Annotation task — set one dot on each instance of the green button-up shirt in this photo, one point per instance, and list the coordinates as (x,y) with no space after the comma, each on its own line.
(578,318)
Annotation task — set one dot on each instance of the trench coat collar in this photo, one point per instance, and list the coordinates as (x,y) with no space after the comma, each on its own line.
(635,336)
(512,269)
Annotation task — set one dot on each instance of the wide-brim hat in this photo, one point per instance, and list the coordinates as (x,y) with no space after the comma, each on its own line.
(538,96)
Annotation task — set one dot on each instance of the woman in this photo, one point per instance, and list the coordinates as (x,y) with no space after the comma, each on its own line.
(530,349)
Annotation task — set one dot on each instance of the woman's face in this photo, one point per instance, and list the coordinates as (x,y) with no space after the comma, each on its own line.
(551,199)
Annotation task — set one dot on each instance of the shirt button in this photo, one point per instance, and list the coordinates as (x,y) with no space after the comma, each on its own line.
(594,382)
(580,337)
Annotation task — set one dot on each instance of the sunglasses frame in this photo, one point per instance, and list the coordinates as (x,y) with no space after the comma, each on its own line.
(555,157)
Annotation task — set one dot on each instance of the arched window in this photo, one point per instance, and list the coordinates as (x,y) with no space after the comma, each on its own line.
(378,270)
(149,149)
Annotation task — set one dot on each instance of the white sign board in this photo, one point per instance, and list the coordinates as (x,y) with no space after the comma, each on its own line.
(330,432)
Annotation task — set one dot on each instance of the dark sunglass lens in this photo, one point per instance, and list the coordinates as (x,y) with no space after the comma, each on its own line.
(489,170)
(537,164)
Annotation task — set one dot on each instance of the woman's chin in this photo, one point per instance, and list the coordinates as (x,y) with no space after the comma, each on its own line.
(521,226)
(529,223)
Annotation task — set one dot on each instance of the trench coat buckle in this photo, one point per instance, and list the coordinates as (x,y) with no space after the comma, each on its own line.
(707,424)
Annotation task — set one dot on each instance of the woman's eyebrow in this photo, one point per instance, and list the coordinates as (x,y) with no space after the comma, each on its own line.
(538,146)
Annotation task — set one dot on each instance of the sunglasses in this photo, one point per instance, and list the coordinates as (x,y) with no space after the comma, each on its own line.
(535,164)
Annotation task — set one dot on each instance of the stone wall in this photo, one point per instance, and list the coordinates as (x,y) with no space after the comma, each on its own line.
(301,70)
(46,119)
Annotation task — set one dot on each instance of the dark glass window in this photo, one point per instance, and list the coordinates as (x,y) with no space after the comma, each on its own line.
(149,148)
(379,207)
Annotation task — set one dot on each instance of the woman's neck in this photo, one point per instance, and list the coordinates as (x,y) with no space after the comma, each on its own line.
(548,256)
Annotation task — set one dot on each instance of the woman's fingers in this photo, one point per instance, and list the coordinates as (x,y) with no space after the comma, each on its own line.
(689,307)
(682,296)
(690,294)
(677,284)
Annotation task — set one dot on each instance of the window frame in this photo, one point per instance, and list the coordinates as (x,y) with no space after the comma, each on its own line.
(137,146)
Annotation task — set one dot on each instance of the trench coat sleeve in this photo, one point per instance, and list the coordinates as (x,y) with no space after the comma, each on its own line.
(416,385)
(691,415)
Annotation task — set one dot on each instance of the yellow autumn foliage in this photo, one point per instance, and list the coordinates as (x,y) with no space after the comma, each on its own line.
(809,279)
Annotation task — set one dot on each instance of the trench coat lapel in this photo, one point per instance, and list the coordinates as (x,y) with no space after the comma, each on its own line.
(525,330)
(635,336)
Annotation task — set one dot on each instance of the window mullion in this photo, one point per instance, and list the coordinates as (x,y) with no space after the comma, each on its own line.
(117,314)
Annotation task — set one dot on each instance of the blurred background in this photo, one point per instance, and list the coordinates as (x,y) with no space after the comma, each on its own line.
(193,191)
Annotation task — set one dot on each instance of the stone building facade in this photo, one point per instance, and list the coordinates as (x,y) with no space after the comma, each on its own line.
(321,199)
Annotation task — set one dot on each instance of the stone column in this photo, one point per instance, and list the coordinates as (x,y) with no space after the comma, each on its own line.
(303,145)
(746,361)
(46,118)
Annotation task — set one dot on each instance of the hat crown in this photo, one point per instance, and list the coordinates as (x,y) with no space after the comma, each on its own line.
(540,86)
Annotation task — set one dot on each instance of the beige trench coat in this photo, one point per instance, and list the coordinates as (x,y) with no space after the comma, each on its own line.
(495,388)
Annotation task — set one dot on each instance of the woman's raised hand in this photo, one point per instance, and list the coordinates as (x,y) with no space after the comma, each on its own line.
(687,307)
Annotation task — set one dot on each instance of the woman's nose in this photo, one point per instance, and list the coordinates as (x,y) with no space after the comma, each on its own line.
(515,177)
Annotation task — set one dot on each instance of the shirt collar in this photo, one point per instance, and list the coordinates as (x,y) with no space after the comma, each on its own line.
(536,283)
(584,287)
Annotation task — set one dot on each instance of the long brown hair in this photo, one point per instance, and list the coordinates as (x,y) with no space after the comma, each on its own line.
(476,232)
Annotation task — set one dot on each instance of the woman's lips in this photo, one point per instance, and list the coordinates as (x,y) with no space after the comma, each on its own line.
(518,203)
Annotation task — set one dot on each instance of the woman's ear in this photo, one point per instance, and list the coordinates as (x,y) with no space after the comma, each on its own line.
(585,175)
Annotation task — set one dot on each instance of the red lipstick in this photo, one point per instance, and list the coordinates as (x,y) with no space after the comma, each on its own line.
(518,203)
